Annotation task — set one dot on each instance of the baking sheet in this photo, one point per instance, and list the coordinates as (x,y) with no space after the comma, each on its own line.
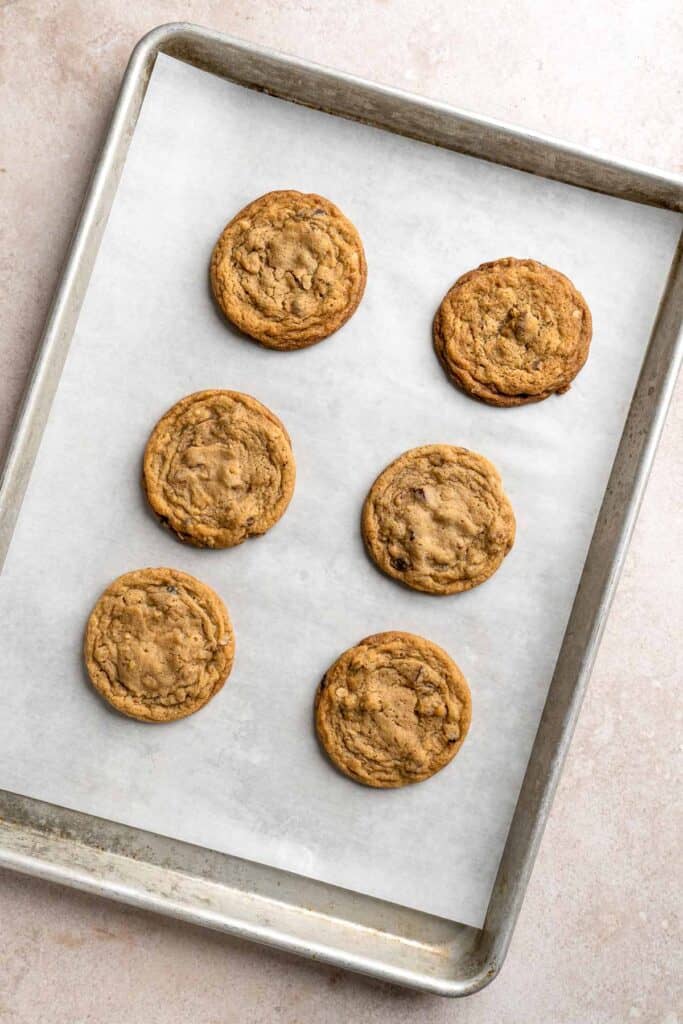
(245,775)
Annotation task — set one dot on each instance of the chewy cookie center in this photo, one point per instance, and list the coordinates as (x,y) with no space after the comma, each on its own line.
(231,480)
(441,525)
(292,268)
(524,337)
(156,643)
(518,329)
(398,713)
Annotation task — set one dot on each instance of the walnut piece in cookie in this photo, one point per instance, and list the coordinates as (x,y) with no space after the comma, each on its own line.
(289,269)
(219,468)
(512,332)
(438,520)
(393,710)
(158,644)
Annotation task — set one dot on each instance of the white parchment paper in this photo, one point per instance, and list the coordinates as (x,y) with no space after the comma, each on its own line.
(245,774)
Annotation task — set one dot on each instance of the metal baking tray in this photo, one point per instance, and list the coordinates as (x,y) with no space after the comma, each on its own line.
(250,900)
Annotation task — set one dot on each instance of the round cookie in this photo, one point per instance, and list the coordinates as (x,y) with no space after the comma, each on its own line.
(289,269)
(219,468)
(158,644)
(393,710)
(438,520)
(512,331)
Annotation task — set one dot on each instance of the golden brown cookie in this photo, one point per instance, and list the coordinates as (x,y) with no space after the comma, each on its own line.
(394,709)
(219,468)
(513,331)
(438,520)
(158,645)
(289,269)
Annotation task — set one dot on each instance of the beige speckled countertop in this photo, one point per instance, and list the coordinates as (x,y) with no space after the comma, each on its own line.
(599,938)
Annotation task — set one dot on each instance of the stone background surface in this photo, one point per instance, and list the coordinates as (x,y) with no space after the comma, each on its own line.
(599,937)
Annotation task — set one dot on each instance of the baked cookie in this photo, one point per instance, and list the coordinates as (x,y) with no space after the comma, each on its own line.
(219,468)
(512,332)
(158,645)
(392,710)
(289,269)
(437,519)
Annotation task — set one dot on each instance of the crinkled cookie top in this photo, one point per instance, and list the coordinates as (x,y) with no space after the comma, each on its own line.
(513,331)
(219,468)
(437,519)
(159,644)
(393,710)
(289,269)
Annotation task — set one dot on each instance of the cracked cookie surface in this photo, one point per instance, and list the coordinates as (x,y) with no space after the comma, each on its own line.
(393,710)
(512,332)
(438,520)
(158,644)
(219,468)
(289,269)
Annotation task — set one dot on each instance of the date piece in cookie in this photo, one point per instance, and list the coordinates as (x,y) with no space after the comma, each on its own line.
(437,519)
(393,710)
(289,269)
(158,644)
(513,331)
(219,468)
